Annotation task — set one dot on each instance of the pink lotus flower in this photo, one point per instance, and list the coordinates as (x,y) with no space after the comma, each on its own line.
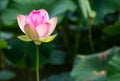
(37,26)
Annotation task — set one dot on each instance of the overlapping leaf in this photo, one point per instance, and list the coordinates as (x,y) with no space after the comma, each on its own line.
(92,67)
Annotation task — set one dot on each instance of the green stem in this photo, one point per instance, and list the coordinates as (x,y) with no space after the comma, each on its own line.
(66,40)
(77,41)
(2,59)
(90,39)
(37,63)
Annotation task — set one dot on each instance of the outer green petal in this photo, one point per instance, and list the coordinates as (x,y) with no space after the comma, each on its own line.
(48,38)
(37,42)
(24,38)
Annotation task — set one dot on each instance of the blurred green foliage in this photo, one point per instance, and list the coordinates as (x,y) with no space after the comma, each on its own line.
(6,75)
(23,54)
(112,30)
(16,7)
(113,69)
(78,21)
(3,44)
(94,67)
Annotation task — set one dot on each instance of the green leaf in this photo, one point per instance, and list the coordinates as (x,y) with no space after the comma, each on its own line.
(113,70)
(61,6)
(57,57)
(6,35)
(24,38)
(113,29)
(3,4)
(6,75)
(92,67)
(104,7)
(60,77)
(85,7)
(82,5)
(3,44)
(114,77)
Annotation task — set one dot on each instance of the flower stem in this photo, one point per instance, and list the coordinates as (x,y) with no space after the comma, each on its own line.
(76,41)
(37,63)
(65,40)
(2,59)
(90,39)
